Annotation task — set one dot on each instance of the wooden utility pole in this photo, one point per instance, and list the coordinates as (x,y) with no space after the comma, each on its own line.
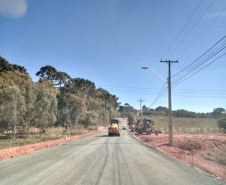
(140,100)
(170,102)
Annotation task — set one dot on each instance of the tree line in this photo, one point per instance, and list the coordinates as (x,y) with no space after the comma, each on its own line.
(56,99)
(163,111)
(132,113)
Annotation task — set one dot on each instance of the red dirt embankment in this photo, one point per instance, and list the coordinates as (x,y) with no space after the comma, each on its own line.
(208,151)
(18,151)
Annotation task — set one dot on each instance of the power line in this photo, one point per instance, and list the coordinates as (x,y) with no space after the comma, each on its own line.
(192,28)
(159,95)
(199,70)
(184,26)
(212,54)
(200,56)
(157,90)
(202,33)
(200,64)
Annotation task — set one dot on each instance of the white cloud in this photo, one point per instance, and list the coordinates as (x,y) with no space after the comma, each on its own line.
(13,8)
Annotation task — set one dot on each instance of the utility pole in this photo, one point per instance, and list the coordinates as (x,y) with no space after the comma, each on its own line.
(169,102)
(140,100)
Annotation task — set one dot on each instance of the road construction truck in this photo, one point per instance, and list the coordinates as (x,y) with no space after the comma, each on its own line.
(132,127)
(145,126)
(114,128)
(132,122)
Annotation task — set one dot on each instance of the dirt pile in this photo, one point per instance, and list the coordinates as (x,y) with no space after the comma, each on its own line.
(190,145)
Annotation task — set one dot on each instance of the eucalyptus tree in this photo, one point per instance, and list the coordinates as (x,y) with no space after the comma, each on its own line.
(12,106)
(45,105)
(70,108)
(91,118)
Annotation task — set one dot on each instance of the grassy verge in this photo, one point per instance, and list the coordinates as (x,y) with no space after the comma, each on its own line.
(52,133)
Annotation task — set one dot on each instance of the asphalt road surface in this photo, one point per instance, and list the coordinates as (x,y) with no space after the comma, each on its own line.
(100,159)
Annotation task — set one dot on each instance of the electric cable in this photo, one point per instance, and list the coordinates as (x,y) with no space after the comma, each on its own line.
(200,56)
(192,28)
(199,70)
(201,63)
(202,33)
(184,26)
(159,95)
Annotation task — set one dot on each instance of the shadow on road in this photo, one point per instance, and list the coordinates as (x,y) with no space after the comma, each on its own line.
(102,136)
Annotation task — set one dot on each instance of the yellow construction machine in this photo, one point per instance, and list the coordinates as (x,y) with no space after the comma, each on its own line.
(132,127)
(114,128)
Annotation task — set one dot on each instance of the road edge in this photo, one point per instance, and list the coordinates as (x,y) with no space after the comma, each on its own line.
(18,151)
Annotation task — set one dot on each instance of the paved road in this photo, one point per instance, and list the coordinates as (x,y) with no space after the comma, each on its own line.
(100,159)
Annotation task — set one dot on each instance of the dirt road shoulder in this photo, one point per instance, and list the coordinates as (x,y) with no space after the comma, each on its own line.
(22,150)
(206,152)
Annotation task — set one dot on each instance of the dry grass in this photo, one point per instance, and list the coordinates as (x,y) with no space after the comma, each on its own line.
(51,133)
(187,125)
(22,141)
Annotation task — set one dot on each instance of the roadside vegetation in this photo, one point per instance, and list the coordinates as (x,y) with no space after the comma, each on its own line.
(189,122)
(70,106)
(51,133)
(187,125)
(56,101)
(183,121)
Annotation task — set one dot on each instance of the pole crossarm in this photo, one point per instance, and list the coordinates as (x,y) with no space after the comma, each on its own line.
(176,61)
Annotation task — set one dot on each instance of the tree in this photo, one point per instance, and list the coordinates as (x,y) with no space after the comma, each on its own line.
(70,108)
(132,119)
(5,66)
(127,110)
(20,68)
(89,119)
(144,108)
(162,110)
(45,105)
(80,87)
(12,107)
(222,123)
(126,105)
(62,78)
(218,112)
(48,72)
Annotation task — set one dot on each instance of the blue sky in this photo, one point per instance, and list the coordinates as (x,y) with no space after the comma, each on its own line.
(108,41)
